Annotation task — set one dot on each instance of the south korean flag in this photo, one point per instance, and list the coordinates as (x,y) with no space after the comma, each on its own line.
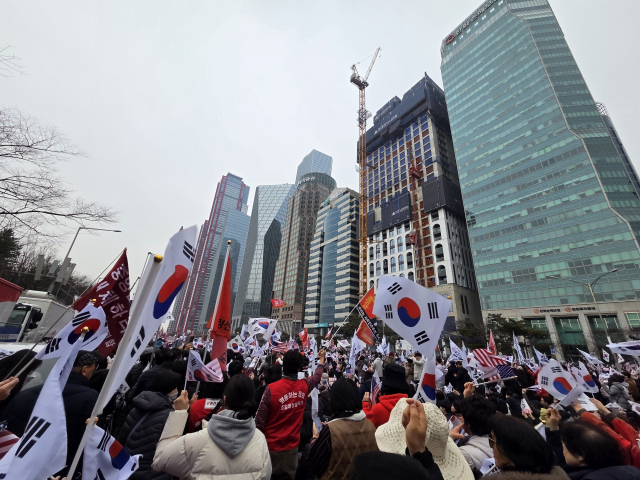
(415,313)
(106,459)
(92,318)
(199,372)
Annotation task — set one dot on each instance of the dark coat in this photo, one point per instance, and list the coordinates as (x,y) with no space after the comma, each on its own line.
(625,472)
(144,439)
(498,400)
(365,387)
(462,377)
(79,399)
(515,405)
(325,399)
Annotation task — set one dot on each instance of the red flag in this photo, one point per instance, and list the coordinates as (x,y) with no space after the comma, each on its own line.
(277,303)
(328,333)
(365,334)
(219,351)
(220,321)
(365,308)
(492,344)
(112,294)
(304,336)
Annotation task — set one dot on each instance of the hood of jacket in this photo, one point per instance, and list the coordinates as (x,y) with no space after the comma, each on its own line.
(389,401)
(555,474)
(230,434)
(477,449)
(152,401)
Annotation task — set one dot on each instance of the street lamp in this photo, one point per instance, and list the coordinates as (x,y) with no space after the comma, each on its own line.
(590,285)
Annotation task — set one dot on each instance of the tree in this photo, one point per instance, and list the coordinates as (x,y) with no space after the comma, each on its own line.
(504,328)
(473,336)
(9,62)
(32,194)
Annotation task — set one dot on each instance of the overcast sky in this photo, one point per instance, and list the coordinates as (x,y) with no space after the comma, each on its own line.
(166,97)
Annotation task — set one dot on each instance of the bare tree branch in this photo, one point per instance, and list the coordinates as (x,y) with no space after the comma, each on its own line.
(9,63)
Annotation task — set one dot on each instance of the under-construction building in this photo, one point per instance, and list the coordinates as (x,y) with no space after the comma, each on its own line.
(416,224)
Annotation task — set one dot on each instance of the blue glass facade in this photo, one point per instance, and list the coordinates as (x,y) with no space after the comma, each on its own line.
(546,191)
(315,162)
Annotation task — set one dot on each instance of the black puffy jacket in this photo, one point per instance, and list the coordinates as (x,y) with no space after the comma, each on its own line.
(155,408)
(79,399)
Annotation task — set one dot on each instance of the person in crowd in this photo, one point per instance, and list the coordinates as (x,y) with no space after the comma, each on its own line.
(498,400)
(144,424)
(519,449)
(365,386)
(418,364)
(393,388)
(164,359)
(440,374)
(391,359)
(434,446)
(462,377)
(11,365)
(408,370)
(78,397)
(515,403)
(306,429)
(230,447)
(202,408)
(281,410)
(587,452)
(477,413)
(618,393)
(632,387)
(235,368)
(350,433)
(378,365)
(272,373)
(324,397)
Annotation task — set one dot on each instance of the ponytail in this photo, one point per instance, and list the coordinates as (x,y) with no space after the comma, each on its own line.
(239,396)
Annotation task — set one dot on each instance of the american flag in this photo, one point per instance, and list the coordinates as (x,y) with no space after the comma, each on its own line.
(280,347)
(486,359)
(7,439)
(505,371)
(293,345)
(375,388)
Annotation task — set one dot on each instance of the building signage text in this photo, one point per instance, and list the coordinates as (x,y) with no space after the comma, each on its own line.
(469,21)
(385,124)
(308,179)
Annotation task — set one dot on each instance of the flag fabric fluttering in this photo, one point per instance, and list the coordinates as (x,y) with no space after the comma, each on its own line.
(113,295)
(586,380)
(236,344)
(486,359)
(626,348)
(7,440)
(426,391)
(219,323)
(590,358)
(414,312)
(278,346)
(90,317)
(357,346)
(328,333)
(456,353)
(106,459)
(620,358)
(559,383)
(376,384)
(244,334)
(542,358)
(304,338)
(42,449)
(492,344)
(605,355)
(278,303)
(199,372)
(264,326)
(368,329)
(516,347)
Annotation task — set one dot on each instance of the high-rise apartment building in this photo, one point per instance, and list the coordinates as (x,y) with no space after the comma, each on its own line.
(290,284)
(551,198)
(231,194)
(314,162)
(332,281)
(261,253)
(415,219)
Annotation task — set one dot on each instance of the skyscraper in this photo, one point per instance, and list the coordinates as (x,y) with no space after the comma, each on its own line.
(415,218)
(550,201)
(314,162)
(290,284)
(261,253)
(332,281)
(231,194)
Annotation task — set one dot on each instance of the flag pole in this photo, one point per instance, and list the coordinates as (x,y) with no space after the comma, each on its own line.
(496,381)
(146,284)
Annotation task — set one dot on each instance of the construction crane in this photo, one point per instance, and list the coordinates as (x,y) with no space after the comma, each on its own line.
(362,84)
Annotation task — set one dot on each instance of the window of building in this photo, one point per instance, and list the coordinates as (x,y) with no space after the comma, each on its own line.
(392,247)
(571,336)
(385,266)
(393,264)
(384,249)
(377,269)
(391,233)
(442,275)
(410,276)
(371,269)
(633,318)
(370,253)
(400,262)
(402,275)
(437,235)
(377,251)
(399,229)
(439,253)
(613,329)
(400,246)
(371,284)
(409,260)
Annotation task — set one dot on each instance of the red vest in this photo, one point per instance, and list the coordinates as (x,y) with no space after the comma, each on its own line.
(282,428)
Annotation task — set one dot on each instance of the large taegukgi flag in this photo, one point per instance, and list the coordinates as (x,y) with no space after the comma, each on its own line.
(426,391)
(415,313)
(112,294)
(559,383)
(368,329)
(199,372)
(106,459)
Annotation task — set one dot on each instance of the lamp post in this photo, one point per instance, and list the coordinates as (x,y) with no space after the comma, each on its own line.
(590,286)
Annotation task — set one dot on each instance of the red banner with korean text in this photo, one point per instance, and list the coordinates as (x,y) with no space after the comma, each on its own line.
(220,321)
(278,303)
(368,329)
(112,294)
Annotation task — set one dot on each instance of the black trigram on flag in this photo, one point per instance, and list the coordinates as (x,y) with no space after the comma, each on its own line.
(139,340)
(188,251)
(81,317)
(421,337)
(433,310)
(52,346)
(104,441)
(100,475)
(35,429)
(193,362)
(395,288)
(388,311)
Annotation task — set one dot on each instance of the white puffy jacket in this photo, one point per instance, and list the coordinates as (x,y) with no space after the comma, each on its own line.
(476,451)
(196,456)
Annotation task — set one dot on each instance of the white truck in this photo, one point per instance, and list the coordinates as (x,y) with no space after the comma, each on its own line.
(35,315)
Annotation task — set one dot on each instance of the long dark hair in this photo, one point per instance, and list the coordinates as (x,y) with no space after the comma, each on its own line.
(240,396)
(522,445)
(345,398)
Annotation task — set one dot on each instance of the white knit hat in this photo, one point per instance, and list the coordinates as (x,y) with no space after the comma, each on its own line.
(391,437)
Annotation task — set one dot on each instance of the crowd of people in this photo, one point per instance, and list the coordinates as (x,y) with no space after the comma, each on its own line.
(290,417)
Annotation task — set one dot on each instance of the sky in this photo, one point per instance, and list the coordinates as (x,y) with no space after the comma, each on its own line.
(166,97)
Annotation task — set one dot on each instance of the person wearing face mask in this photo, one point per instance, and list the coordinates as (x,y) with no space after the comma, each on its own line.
(141,431)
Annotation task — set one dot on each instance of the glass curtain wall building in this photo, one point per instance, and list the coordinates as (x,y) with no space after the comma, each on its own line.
(290,283)
(314,162)
(332,282)
(550,197)
(231,194)
(261,253)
